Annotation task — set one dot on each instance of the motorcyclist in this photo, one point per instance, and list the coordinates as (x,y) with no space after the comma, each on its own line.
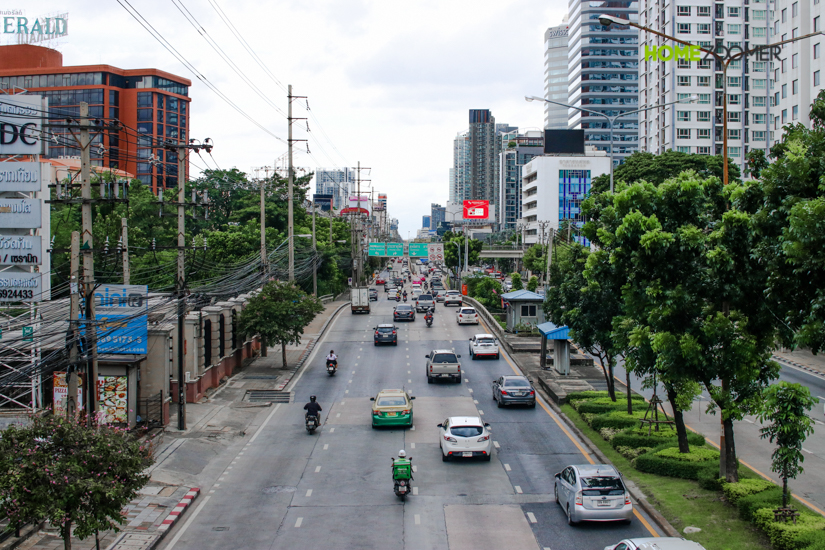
(332,358)
(313,408)
(405,295)
(428,316)
(402,460)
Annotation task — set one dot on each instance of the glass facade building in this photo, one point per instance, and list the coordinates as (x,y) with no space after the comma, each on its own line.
(555,76)
(518,150)
(603,74)
(574,186)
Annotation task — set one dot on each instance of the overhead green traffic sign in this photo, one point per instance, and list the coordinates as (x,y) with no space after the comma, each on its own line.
(419,250)
(395,249)
(377,249)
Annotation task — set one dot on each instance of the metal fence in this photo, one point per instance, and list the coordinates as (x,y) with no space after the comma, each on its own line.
(150,411)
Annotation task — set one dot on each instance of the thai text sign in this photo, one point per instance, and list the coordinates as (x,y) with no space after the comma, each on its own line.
(419,250)
(19,176)
(395,249)
(20,213)
(20,250)
(377,249)
(19,287)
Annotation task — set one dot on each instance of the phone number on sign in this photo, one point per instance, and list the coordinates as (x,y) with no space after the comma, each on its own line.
(121,340)
(17,294)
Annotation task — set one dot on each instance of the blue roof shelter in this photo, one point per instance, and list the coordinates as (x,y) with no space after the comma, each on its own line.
(561,346)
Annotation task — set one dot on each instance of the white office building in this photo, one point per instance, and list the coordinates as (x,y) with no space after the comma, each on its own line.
(555,75)
(338,182)
(698,127)
(797,74)
(553,188)
(460,172)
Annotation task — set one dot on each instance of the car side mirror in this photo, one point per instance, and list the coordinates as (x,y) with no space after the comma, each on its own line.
(412,397)
(440,425)
(458,356)
(486,425)
(470,339)
(372,399)
(427,356)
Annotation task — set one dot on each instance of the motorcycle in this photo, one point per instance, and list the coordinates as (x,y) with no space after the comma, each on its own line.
(429,320)
(331,368)
(402,476)
(405,297)
(397,298)
(311,423)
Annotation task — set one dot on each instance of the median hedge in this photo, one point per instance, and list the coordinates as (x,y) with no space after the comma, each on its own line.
(603,405)
(745,487)
(785,535)
(615,419)
(669,462)
(636,437)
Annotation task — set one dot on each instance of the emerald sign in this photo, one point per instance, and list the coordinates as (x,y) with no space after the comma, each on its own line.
(419,250)
(378,249)
(395,249)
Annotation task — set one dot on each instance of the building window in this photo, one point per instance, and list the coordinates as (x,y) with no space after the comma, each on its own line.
(703,28)
(784,15)
(683,133)
(144,115)
(795,61)
(759,83)
(795,112)
(758,15)
(683,97)
(703,133)
(683,81)
(794,87)
(703,150)
(758,135)
(682,149)
(683,11)
(784,116)
(734,99)
(734,82)
(703,116)
(734,152)
(528,310)
(816,78)
(759,32)
(759,67)
(144,99)
(816,50)
(816,24)
(703,11)
(758,101)
(795,32)
(683,28)
(783,65)
(704,99)
(144,127)
(703,81)
(784,91)
(733,11)
(683,63)
(795,9)
(704,64)
(758,118)
(683,116)
(734,116)
(734,28)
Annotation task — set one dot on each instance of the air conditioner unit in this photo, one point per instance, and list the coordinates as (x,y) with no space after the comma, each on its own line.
(188,377)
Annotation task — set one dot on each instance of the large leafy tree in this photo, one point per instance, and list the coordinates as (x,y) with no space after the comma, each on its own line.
(451,252)
(535,259)
(71,474)
(279,313)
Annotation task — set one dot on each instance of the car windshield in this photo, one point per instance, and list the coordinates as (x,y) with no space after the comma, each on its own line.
(394,401)
(385,329)
(445,358)
(485,341)
(426,297)
(516,383)
(599,486)
(467,431)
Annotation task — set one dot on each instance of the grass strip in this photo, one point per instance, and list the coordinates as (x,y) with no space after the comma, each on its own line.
(682,502)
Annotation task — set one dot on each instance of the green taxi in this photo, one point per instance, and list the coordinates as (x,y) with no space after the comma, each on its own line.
(392,408)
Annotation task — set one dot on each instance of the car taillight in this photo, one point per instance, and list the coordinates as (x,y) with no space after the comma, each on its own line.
(626,499)
(532,392)
(503,392)
(459,368)
(431,368)
(393,332)
(376,333)
(376,413)
(579,499)
(483,438)
(405,412)
(450,439)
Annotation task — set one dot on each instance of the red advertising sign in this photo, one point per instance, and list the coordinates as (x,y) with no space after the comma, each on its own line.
(476,210)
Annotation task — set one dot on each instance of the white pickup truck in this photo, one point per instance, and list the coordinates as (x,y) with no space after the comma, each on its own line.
(443,363)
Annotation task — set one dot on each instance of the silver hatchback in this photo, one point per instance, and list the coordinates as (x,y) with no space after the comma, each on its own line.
(593,492)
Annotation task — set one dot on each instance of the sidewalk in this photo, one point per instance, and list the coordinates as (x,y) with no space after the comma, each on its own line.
(801,358)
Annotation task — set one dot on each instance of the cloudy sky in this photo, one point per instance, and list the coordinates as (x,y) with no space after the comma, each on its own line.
(390,83)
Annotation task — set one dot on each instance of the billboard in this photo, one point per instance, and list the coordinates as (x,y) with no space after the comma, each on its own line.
(476,210)
(122,313)
(20,250)
(564,142)
(20,286)
(324,202)
(21,121)
(355,202)
(20,213)
(382,202)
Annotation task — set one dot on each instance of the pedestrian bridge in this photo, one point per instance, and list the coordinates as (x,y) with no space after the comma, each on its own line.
(503,251)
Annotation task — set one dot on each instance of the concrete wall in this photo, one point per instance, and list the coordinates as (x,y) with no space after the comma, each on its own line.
(156,371)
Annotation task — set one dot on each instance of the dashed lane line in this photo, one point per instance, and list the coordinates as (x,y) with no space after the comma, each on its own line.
(299,522)
(309,492)
(317,469)
(507,467)
(531,517)
(518,489)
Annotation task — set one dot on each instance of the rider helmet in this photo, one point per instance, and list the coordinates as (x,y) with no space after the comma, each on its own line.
(312,399)
(402,454)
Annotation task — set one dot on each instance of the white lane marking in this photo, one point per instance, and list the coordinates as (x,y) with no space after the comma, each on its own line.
(408,357)
(326,446)
(518,489)
(496,445)
(228,468)
(189,522)
(212,491)
(331,430)
(343,402)
(353,372)
(415,490)
(466,381)
(480,412)
(417,519)
(346,391)
(299,522)
(415,469)
(408,372)
(475,401)
(807,451)
(531,517)
(360,349)
(350,382)
(240,453)
(818,422)
(470,390)
(338,415)
(507,467)
(412,445)
(409,380)
(820,397)
(412,428)
(309,492)
(268,418)
(356,364)
(408,349)
(359,357)
(220,479)
(317,469)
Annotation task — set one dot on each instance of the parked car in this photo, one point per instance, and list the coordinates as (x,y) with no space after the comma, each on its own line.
(453,297)
(592,492)
(403,312)
(466,315)
(658,543)
(386,334)
(483,345)
(465,437)
(514,390)
(392,408)
(373,295)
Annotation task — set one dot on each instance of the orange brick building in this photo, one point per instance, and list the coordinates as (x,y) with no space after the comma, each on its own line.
(151,104)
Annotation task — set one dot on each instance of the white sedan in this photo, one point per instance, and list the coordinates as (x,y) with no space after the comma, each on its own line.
(483,345)
(465,437)
(466,315)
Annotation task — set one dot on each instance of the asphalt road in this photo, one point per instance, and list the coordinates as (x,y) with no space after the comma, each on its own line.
(287,489)
(755,451)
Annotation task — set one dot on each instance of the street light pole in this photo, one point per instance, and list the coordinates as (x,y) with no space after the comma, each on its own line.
(608,20)
(611,119)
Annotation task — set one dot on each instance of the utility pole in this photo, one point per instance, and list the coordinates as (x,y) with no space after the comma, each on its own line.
(357,251)
(87,248)
(291,176)
(127,275)
(264,258)
(314,253)
(74,333)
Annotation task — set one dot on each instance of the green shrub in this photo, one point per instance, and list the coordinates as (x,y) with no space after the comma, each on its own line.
(579,395)
(696,454)
(651,463)
(769,498)
(608,433)
(745,487)
(601,405)
(812,540)
(708,477)
(632,452)
(785,535)
(616,419)
(636,437)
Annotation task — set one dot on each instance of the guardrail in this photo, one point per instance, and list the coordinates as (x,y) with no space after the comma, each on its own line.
(326,298)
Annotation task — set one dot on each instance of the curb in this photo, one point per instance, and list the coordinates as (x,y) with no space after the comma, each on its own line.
(177,511)
(310,347)
(797,365)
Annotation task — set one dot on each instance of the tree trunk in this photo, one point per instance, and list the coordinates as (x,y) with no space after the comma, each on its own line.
(731,471)
(608,375)
(283,354)
(629,394)
(785,498)
(263,346)
(66,533)
(679,420)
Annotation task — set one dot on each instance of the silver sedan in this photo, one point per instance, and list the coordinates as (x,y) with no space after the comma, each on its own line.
(592,492)
(513,390)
